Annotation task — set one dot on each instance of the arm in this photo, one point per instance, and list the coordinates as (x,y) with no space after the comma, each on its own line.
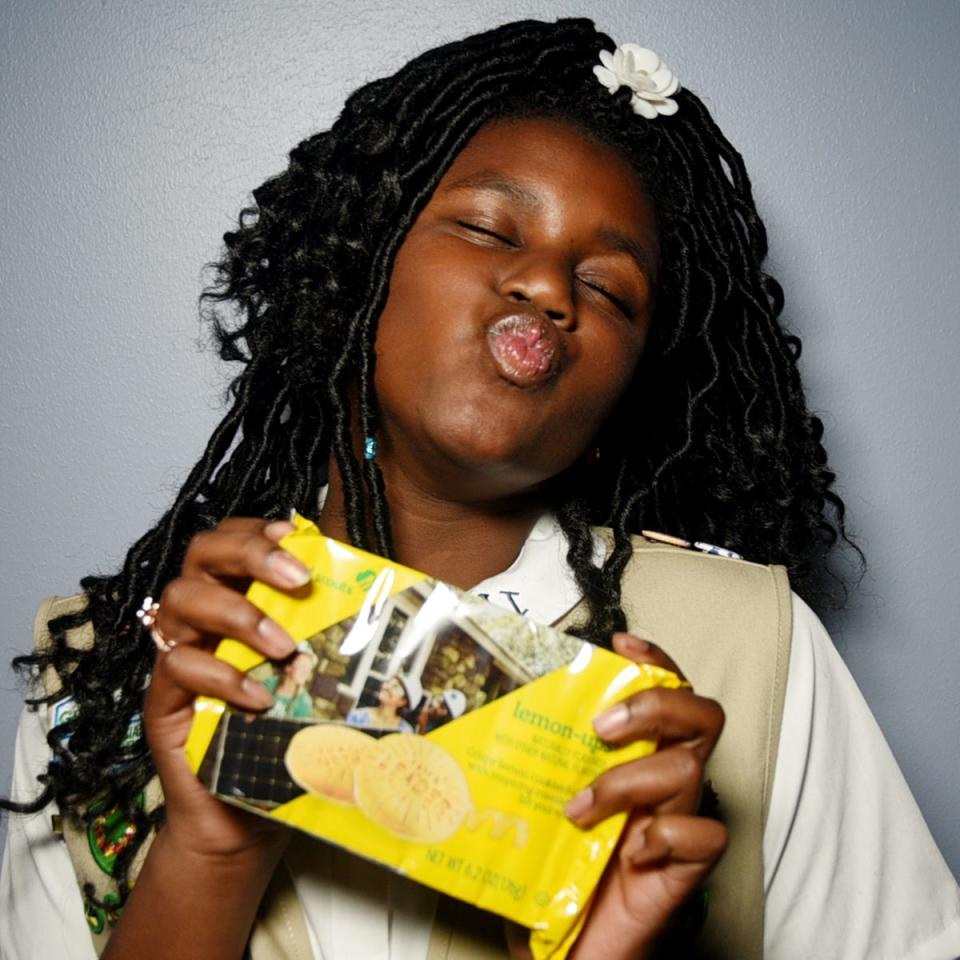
(191,904)
(879,889)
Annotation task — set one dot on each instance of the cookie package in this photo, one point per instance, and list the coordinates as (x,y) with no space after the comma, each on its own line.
(430,731)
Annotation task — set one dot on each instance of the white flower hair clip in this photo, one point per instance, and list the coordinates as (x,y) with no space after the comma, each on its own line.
(640,70)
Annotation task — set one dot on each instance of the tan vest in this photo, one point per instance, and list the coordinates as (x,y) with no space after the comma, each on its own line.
(727,623)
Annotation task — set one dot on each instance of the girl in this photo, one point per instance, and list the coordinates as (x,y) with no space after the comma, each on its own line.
(509,311)
(291,696)
(395,694)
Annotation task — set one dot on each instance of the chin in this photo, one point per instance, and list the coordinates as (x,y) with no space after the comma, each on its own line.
(494,470)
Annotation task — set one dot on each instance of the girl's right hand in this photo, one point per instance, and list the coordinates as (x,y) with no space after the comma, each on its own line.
(197,609)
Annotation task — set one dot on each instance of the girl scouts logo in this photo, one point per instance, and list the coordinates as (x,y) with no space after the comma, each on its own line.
(108,833)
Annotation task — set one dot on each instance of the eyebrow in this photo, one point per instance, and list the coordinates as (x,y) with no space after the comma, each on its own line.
(486,180)
(645,258)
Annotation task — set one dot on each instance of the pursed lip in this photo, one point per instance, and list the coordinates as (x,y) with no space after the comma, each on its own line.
(526,348)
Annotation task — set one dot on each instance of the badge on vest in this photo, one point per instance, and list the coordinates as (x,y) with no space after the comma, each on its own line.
(698,545)
(66,709)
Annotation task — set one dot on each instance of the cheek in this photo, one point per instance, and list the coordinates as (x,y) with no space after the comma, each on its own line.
(426,323)
(597,394)
(426,279)
(613,372)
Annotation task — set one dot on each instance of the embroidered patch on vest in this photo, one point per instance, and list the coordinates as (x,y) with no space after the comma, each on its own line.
(109,833)
(66,709)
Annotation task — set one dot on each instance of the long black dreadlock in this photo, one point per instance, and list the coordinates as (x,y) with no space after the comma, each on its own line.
(712,440)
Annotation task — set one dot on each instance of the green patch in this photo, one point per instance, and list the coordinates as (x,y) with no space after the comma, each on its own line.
(108,833)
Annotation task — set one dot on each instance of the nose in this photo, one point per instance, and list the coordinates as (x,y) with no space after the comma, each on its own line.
(544,281)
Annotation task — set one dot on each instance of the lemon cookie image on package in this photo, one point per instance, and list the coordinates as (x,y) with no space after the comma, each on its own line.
(429,731)
(322,759)
(413,788)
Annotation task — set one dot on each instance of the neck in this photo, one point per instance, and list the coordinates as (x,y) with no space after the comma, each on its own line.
(460,542)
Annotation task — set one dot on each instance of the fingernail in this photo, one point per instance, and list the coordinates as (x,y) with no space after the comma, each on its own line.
(257,692)
(278,529)
(611,722)
(278,642)
(579,805)
(289,571)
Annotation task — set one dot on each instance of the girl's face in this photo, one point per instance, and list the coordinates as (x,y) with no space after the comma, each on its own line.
(519,304)
(392,694)
(300,668)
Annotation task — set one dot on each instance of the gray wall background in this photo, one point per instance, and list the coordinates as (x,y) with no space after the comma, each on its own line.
(132,134)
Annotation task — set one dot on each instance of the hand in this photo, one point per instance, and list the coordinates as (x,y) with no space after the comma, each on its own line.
(196,609)
(207,869)
(665,850)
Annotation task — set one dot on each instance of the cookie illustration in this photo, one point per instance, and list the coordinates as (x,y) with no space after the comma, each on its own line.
(413,788)
(322,759)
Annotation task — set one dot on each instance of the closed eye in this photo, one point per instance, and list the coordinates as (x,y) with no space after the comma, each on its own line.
(486,232)
(621,305)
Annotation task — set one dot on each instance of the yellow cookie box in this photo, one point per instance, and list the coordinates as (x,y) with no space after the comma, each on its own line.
(473,806)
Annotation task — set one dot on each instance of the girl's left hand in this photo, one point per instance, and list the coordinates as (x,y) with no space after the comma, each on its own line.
(665,850)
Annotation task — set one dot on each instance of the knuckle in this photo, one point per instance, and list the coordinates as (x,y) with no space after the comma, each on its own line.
(721,717)
(620,787)
(716,718)
(687,765)
(244,617)
(719,714)
(641,704)
(714,839)
(608,789)
(660,655)
(254,547)
(721,837)
(174,594)
(199,541)
(647,709)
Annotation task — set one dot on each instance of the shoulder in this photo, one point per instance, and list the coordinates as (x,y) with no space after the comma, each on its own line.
(655,552)
(53,607)
(79,634)
(697,586)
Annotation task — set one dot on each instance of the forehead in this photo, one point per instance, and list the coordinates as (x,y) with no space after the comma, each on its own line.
(536,162)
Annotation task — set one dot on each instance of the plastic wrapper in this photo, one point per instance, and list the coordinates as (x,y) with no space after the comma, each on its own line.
(430,731)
